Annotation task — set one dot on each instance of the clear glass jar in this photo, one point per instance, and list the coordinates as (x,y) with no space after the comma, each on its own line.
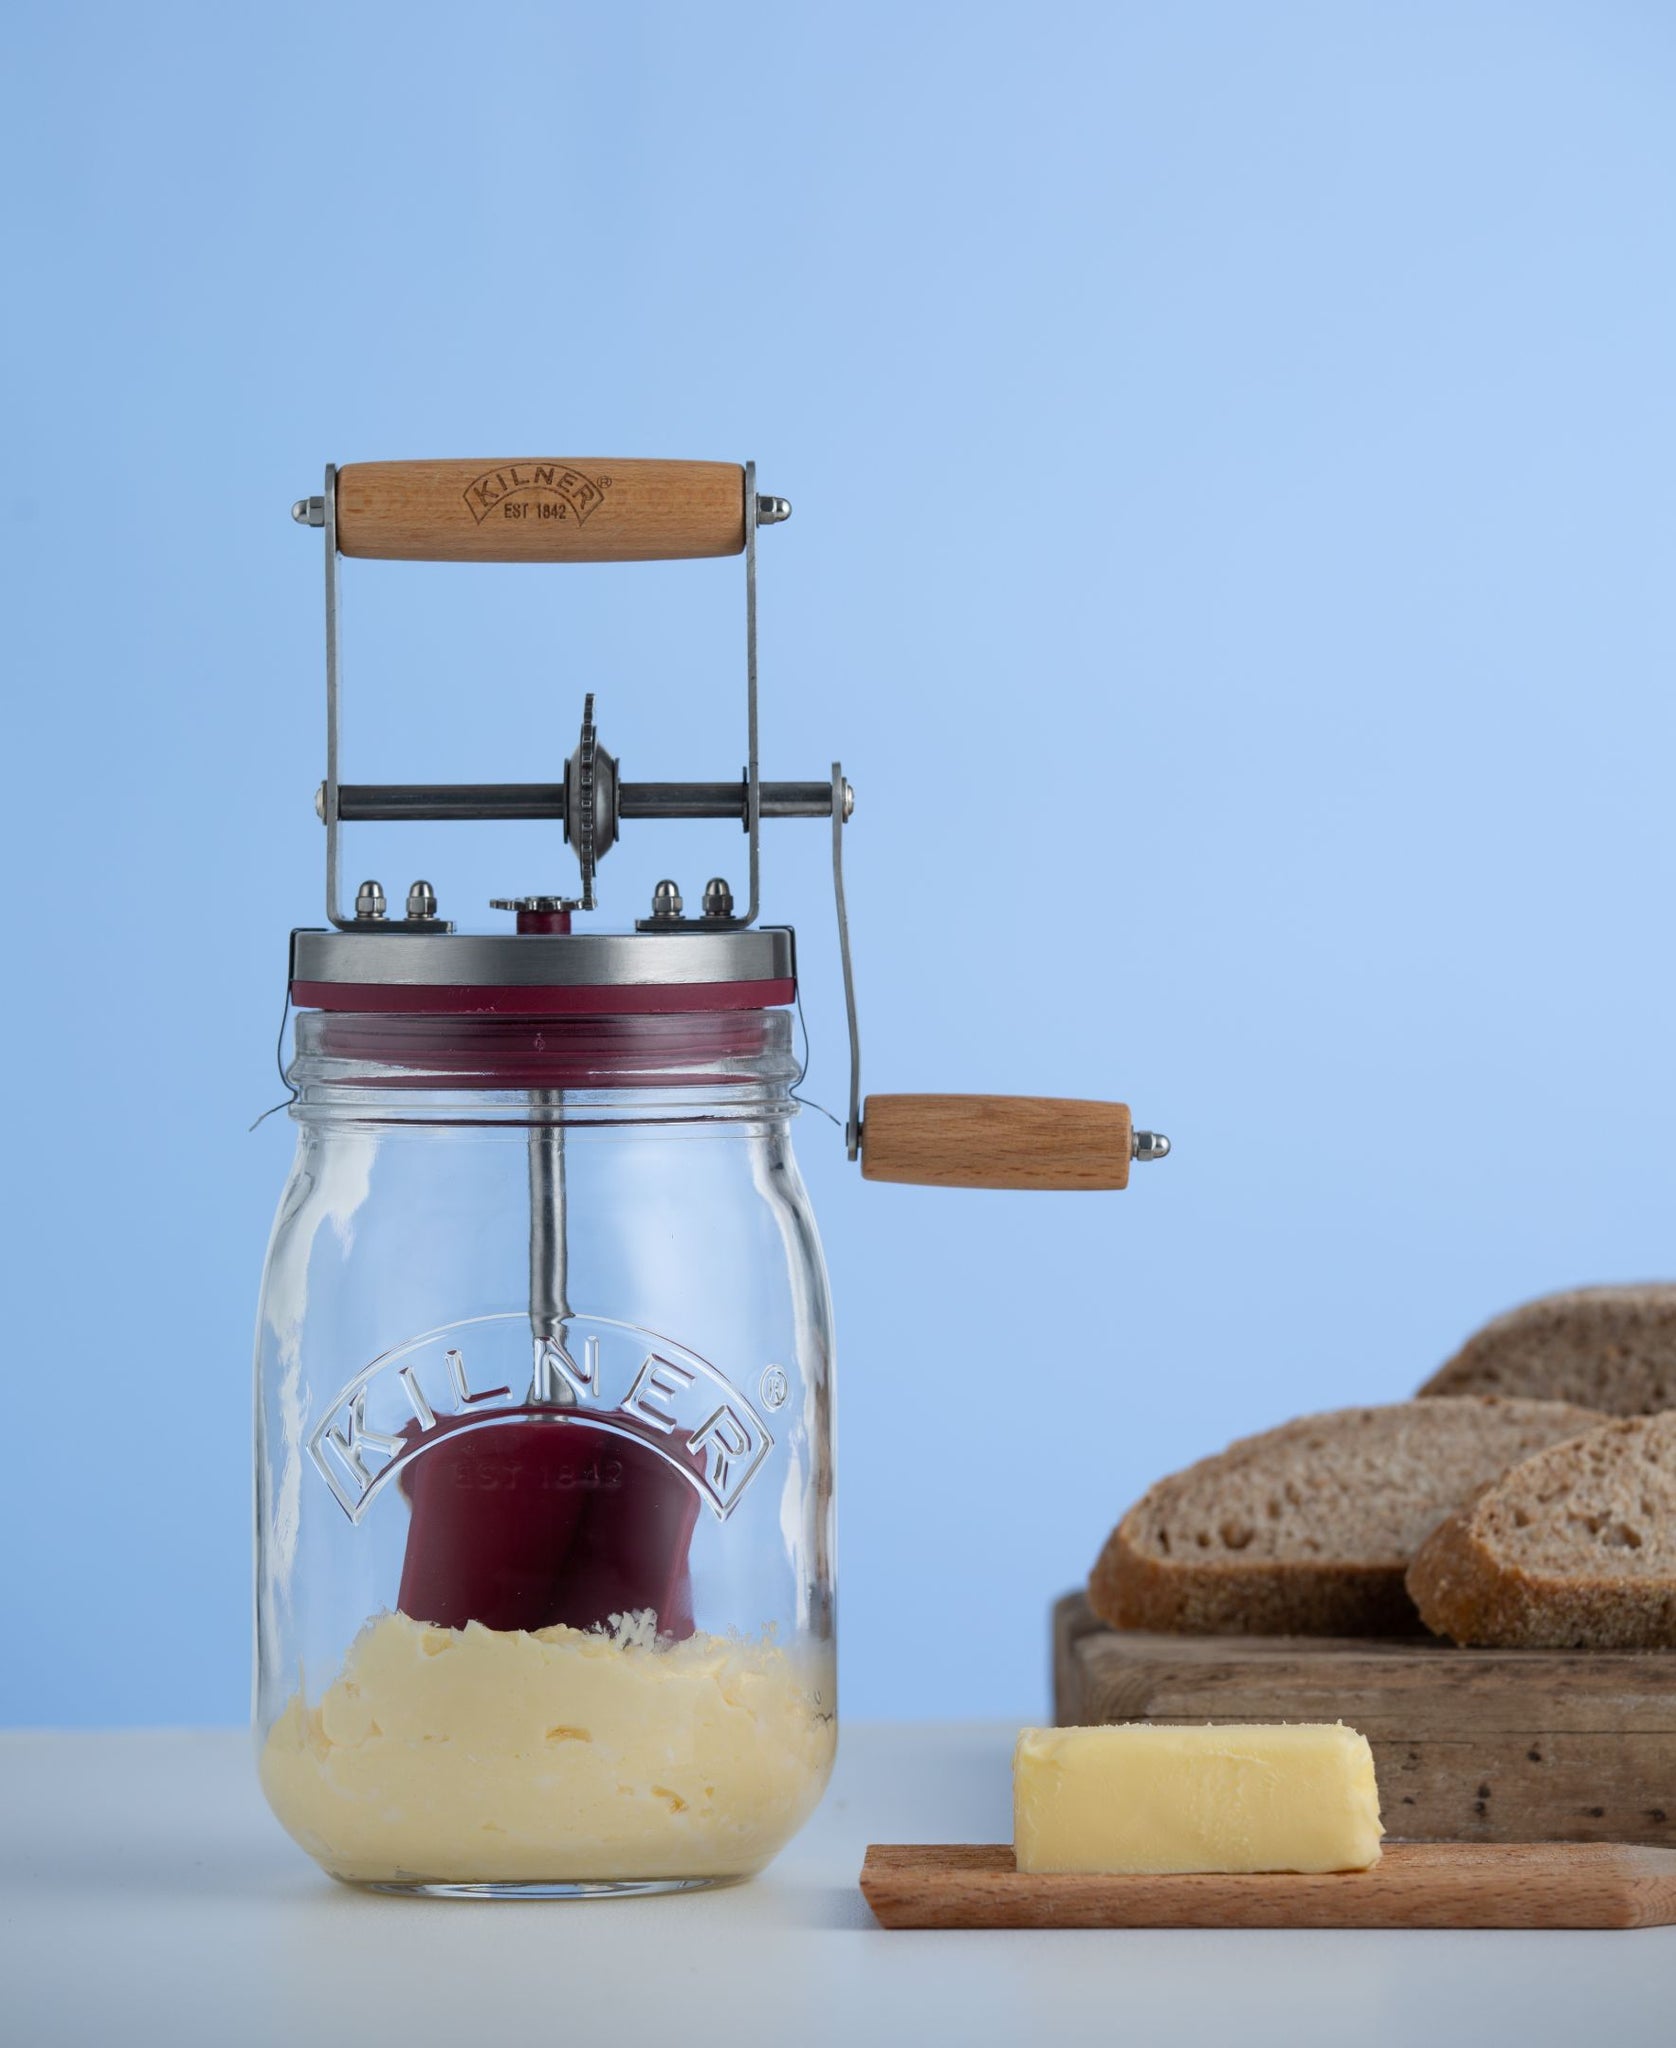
(543,1474)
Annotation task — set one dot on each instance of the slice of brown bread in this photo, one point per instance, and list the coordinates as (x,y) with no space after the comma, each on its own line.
(1611,1348)
(1309,1528)
(1575,1548)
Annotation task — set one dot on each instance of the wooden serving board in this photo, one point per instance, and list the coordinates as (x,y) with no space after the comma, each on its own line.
(1414,1884)
(1468,1745)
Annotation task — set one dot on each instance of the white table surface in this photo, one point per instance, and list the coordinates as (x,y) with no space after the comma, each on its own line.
(147,1896)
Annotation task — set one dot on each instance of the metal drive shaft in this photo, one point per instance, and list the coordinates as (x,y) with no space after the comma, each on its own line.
(549,1250)
(393,802)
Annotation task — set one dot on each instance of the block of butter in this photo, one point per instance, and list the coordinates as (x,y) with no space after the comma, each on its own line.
(1144,1798)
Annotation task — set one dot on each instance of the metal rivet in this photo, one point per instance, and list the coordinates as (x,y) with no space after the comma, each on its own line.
(369,902)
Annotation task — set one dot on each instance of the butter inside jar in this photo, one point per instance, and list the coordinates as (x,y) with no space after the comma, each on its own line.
(486,1756)
(1153,1800)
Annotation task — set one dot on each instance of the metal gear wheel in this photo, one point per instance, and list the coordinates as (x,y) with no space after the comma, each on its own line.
(587,761)
(590,823)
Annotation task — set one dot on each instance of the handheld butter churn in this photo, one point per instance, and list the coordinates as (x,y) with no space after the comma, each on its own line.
(544,1354)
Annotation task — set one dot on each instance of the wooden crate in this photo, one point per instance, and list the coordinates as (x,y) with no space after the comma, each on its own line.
(1469,1745)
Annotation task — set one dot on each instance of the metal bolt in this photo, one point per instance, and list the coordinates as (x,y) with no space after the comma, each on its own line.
(718,897)
(421,900)
(666,900)
(770,511)
(369,902)
(309,511)
(1149,1145)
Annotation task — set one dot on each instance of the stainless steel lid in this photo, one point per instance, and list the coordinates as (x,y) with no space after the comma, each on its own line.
(529,973)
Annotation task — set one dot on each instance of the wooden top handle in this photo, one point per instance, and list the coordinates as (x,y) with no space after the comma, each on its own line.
(996,1141)
(545,508)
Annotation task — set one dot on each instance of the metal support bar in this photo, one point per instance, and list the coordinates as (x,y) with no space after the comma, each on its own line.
(753,772)
(329,796)
(372,803)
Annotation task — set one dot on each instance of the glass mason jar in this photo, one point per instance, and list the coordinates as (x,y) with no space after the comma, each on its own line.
(544,1471)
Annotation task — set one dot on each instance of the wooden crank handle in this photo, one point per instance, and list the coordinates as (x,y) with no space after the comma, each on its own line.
(998,1141)
(540,509)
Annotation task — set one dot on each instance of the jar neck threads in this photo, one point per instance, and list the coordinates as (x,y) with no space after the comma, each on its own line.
(559,1069)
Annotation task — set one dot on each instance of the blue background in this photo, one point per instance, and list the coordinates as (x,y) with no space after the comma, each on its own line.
(1233,457)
